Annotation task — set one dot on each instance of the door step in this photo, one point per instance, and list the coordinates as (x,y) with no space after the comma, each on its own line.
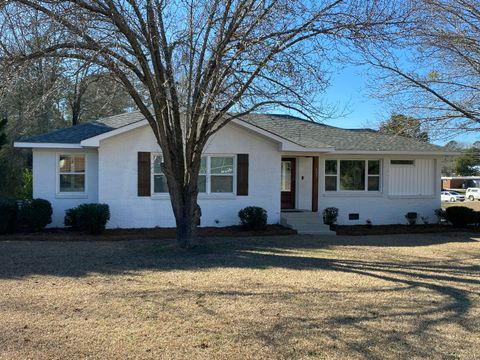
(307,223)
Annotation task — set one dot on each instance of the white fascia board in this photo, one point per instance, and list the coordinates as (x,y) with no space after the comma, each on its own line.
(95,141)
(411,153)
(284,144)
(33,145)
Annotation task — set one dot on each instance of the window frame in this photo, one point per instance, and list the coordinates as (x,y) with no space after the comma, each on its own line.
(208,174)
(58,173)
(367,175)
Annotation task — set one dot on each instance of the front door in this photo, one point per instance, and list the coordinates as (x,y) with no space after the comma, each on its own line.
(288,183)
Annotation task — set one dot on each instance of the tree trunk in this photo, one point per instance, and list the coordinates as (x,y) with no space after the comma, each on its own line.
(187,217)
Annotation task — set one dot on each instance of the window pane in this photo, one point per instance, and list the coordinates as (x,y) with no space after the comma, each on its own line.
(72,183)
(331,167)
(286,176)
(222,184)
(221,165)
(160,184)
(202,183)
(330,183)
(352,175)
(65,163)
(157,164)
(373,183)
(203,166)
(373,167)
(79,164)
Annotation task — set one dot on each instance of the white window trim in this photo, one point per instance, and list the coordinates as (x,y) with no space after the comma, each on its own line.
(201,195)
(365,191)
(70,194)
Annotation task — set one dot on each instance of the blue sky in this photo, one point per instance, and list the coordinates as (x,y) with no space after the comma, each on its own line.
(349,87)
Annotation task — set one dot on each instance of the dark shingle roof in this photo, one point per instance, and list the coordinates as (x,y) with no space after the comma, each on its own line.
(305,133)
(75,134)
(315,135)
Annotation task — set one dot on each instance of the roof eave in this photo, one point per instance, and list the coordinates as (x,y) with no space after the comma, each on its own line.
(45,145)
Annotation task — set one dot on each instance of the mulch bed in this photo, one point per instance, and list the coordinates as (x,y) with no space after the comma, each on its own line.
(59,234)
(358,230)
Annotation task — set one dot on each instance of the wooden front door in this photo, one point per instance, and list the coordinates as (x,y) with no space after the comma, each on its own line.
(288,183)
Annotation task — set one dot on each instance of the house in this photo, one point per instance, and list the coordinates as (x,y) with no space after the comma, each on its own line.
(281,163)
(460,182)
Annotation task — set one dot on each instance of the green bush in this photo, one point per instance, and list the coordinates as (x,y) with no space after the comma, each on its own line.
(330,215)
(8,215)
(91,218)
(460,216)
(36,214)
(253,217)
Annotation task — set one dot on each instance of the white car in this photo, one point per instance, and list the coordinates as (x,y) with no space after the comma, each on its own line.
(451,196)
(472,194)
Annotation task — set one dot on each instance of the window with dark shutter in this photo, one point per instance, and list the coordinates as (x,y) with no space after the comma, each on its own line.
(242,174)
(144,174)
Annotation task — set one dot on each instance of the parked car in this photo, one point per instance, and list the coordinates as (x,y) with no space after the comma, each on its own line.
(451,196)
(472,194)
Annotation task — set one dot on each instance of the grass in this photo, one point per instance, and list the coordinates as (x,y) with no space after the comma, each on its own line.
(475,205)
(290,297)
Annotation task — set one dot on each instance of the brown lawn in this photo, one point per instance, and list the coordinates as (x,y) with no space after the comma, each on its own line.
(290,297)
(475,205)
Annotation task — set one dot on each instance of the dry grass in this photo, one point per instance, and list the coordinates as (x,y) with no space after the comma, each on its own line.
(475,205)
(298,297)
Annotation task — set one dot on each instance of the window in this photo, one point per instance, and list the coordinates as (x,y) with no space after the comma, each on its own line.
(352,175)
(71,172)
(216,175)
(159,177)
(402,162)
(221,174)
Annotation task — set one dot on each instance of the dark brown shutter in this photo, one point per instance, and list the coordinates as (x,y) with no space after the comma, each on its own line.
(144,173)
(242,174)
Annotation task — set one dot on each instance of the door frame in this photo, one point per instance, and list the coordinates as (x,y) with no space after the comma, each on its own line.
(293,183)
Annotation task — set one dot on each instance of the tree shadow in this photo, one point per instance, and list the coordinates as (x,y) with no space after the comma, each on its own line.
(452,281)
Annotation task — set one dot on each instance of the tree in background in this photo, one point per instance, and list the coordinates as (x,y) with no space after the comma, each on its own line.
(432,66)
(3,126)
(469,163)
(401,125)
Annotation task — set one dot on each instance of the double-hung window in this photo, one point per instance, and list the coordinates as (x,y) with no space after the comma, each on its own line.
(352,175)
(71,173)
(216,175)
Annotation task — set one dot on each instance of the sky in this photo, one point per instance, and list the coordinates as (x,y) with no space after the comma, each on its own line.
(349,87)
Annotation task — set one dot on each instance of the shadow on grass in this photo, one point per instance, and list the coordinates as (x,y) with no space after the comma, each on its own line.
(448,280)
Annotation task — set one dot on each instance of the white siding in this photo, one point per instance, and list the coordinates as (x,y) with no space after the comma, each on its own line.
(417,179)
(414,190)
(45,182)
(118,180)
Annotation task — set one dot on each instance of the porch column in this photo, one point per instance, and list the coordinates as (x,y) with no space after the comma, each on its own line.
(315,184)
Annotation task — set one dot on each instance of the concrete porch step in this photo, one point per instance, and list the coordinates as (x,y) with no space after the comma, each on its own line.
(305,223)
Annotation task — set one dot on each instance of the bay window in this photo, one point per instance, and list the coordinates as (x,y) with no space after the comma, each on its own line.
(352,175)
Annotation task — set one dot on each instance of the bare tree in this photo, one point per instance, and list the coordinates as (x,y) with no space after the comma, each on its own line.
(432,68)
(201,62)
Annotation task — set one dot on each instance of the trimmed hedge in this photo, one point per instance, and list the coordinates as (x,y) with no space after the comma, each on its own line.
(8,215)
(253,217)
(460,216)
(90,218)
(36,214)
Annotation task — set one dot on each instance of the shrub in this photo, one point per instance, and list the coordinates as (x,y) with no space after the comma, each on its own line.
(253,217)
(411,218)
(8,215)
(460,216)
(330,215)
(440,214)
(36,214)
(90,218)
